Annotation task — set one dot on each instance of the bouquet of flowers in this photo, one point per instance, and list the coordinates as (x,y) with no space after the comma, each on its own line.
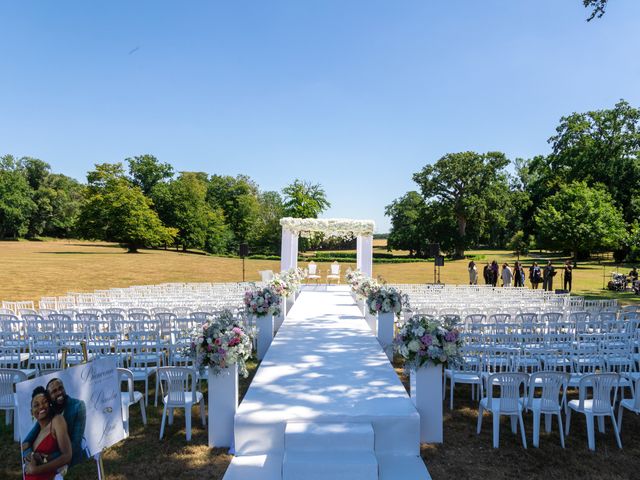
(366,285)
(425,339)
(354,277)
(220,343)
(383,299)
(280,285)
(294,276)
(262,301)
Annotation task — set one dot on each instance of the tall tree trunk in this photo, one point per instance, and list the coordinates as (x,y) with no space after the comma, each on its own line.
(462,231)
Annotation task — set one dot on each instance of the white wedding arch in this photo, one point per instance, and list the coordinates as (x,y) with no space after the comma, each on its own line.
(294,228)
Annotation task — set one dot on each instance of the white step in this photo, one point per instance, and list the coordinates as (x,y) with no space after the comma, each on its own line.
(321,465)
(402,467)
(255,467)
(328,437)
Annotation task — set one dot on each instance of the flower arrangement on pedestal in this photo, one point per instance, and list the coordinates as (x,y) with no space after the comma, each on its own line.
(383,299)
(354,277)
(366,286)
(262,301)
(287,283)
(424,339)
(221,343)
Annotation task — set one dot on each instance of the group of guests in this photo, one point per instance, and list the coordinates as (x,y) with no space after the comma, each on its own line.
(55,441)
(516,276)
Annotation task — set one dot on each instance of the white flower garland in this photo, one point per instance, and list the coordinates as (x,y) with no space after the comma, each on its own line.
(330,227)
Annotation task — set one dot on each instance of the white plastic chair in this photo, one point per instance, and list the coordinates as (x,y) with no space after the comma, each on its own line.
(600,405)
(8,398)
(549,403)
(509,403)
(266,275)
(180,384)
(467,372)
(129,398)
(632,404)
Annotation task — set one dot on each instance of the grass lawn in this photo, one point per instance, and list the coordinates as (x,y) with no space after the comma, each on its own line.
(35,269)
(31,270)
(464,455)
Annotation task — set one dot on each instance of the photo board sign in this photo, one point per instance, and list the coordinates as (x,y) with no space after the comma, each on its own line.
(88,398)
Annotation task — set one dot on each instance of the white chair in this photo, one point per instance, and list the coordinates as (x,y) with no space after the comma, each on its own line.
(312,272)
(600,405)
(334,272)
(129,398)
(549,403)
(509,403)
(266,275)
(180,384)
(467,372)
(8,398)
(632,404)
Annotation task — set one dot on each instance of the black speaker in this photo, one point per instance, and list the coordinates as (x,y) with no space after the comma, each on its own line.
(244,249)
(434,249)
(439,259)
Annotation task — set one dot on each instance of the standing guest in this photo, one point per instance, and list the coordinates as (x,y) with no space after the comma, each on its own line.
(547,276)
(507,275)
(473,273)
(486,273)
(518,275)
(494,273)
(568,275)
(633,275)
(534,275)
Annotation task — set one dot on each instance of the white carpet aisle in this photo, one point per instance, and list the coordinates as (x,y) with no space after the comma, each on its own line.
(325,402)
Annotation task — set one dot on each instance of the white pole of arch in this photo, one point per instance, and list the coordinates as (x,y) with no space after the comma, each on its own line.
(365,255)
(286,248)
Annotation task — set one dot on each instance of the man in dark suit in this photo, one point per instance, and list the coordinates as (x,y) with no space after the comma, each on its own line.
(74,412)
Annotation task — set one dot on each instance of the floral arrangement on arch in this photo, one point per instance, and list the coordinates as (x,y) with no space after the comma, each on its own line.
(330,227)
(384,299)
(221,343)
(262,301)
(424,339)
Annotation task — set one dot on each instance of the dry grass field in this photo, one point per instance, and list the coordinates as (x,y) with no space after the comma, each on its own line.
(30,270)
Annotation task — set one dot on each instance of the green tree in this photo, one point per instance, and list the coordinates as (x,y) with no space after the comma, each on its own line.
(520,243)
(237,197)
(16,203)
(580,219)
(182,204)
(117,211)
(599,147)
(271,211)
(146,172)
(598,8)
(407,223)
(464,184)
(304,199)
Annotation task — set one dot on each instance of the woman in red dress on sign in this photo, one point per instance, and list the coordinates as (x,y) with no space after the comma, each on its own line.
(53,437)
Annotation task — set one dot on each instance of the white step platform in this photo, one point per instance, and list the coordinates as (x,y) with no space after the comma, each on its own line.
(326,402)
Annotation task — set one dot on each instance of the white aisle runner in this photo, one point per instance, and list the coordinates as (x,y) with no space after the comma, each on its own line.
(326,381)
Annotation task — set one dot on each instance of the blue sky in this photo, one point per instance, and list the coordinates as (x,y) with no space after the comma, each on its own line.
(355,95)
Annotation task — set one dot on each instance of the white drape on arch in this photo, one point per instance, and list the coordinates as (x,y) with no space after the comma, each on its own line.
(293,228)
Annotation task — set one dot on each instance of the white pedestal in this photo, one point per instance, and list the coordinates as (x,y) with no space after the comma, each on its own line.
(265,334)
(291,299)
(223,403)
(361,305)
(372,321)
(283,314)
(426,393)
(384,332)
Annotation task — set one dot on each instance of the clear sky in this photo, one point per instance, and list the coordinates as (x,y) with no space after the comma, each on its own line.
(355,95)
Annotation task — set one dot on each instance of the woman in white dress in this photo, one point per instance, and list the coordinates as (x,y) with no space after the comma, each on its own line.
(473,273)
(507,275)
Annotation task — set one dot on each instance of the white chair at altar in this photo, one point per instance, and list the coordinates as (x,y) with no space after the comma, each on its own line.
(333,273)
(312,272)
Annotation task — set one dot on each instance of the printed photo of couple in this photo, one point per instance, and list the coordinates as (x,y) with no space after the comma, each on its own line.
(55,442)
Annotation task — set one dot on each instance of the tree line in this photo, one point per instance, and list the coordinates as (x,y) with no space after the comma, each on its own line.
(581,198)
(148,204)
